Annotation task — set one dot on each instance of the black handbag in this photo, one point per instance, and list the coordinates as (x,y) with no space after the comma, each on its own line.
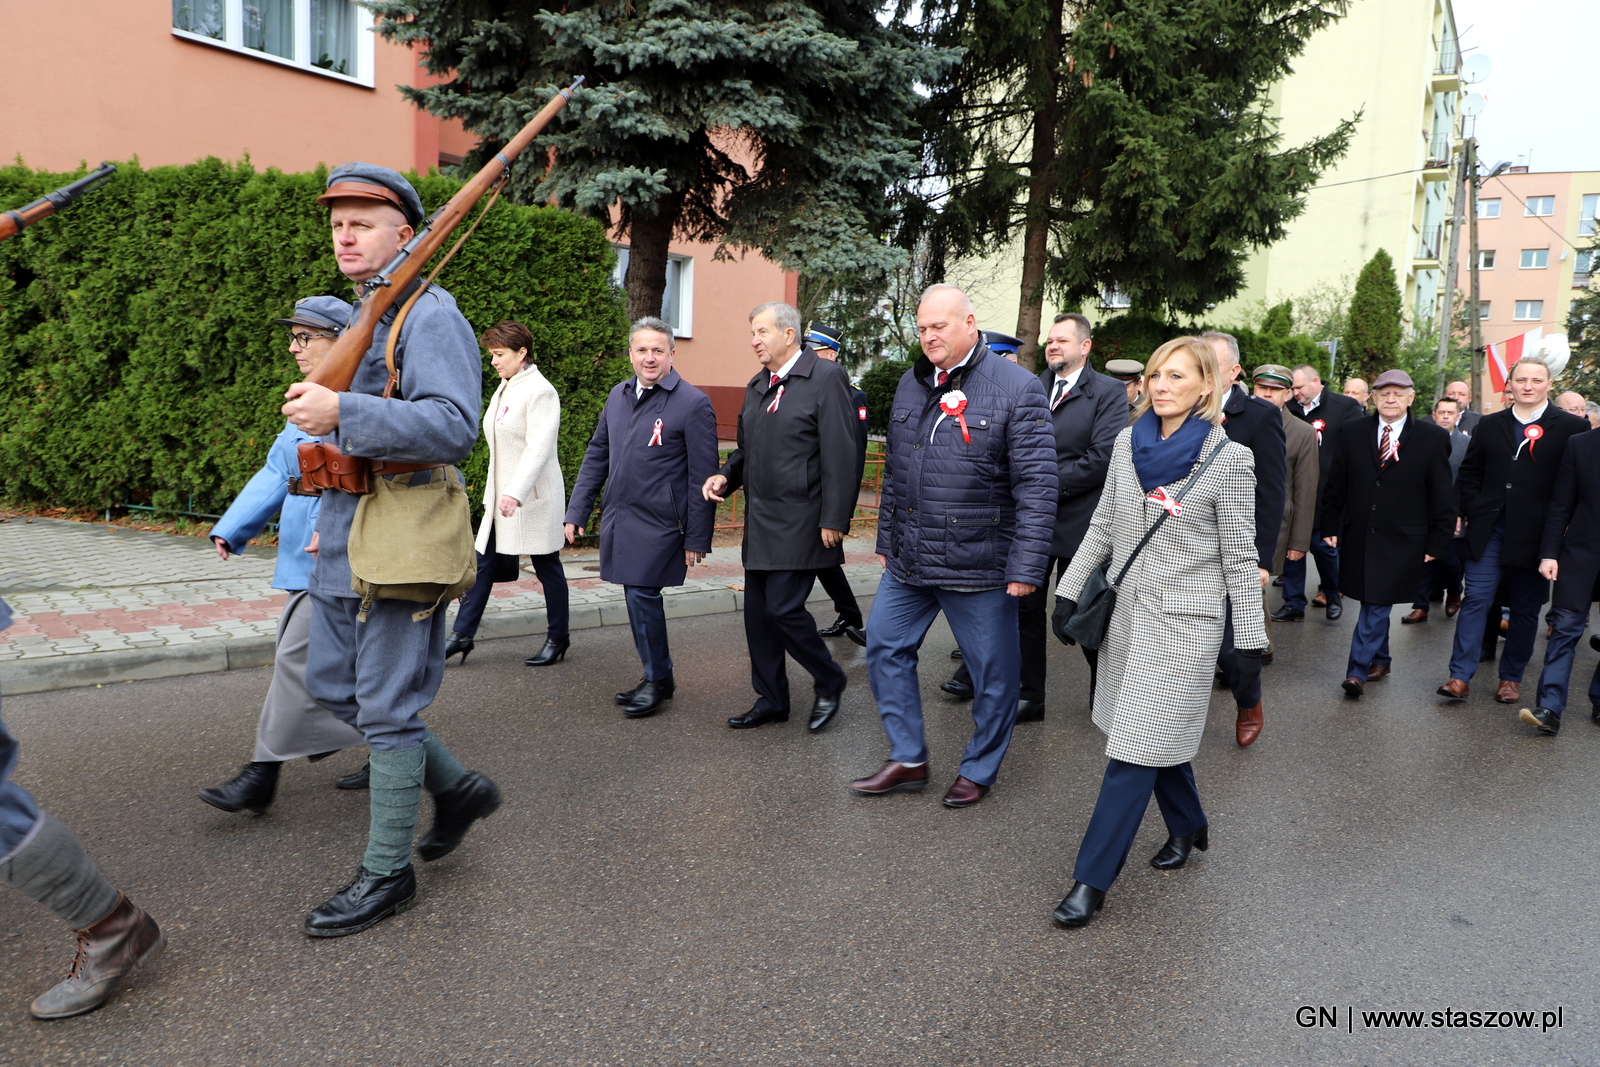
(507,568)
(1098,598)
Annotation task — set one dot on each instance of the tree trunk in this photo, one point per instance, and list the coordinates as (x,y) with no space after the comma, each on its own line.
(1045,74)
(648,239)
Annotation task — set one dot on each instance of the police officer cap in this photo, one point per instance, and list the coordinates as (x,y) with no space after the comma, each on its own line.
(1002,343)
(824,336)
(319,313)
(368,181)
(1125,370)
(1272,374)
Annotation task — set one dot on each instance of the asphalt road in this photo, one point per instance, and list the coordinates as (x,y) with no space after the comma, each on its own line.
(668,891)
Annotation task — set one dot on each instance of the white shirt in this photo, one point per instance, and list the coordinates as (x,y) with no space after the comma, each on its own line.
(1394,434)
(1071,380)
(1535,417)
(1308,406)
(951,371)
(783,371)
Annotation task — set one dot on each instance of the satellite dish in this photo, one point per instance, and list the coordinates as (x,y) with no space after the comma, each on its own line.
(1475,69)
(1472,105)
(1554,352)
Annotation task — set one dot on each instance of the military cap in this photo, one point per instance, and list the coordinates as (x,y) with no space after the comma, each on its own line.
(319,312)
(822,336)
(1394,377)
(1274,375)
(1125,370)
(1002,343)
(368,181)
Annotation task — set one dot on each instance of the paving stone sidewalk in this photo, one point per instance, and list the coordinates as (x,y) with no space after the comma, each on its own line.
(95,604)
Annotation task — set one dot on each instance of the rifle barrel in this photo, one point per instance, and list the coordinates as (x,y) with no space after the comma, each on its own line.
(12,222)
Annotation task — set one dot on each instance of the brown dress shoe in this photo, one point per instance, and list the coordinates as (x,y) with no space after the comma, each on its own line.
(1452,604)
(1376,671)
(1508,692)
(890,777)
(1248,728)
(1353,686)
(1319,601)
(108,950)
(1455,689)
(1417,615)
(963,793)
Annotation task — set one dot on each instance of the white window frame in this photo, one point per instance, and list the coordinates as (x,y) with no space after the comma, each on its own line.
(1527,311)
(1534,259)
(1483,310)
(1486,259)
(1489,209)
(682,319)
(1590,207)
(233,41)
(1113,299)
(1535,202)
(1584,264)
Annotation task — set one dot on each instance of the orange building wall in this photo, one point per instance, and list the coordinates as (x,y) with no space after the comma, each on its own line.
(718,358)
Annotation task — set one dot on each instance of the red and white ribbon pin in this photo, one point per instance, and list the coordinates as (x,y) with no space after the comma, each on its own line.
(1319,425)
(1530,437)
(1160,495)
(655,436)
(955,403)
(776,397)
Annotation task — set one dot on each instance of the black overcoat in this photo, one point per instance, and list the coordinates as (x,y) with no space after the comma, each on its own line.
(1387,520)
(797,465)
(1085,422)
(1572,529)
(1333,412)
(652,510)
(1497,479)
(1258,425)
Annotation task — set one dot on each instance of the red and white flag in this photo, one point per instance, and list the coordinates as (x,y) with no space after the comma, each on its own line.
(1504,356)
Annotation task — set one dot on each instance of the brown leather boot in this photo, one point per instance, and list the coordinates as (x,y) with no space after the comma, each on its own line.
(123,940)
(1248,727)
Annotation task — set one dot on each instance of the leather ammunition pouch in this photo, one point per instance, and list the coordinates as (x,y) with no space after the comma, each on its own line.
(323,466)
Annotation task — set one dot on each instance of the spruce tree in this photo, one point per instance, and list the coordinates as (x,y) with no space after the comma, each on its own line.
(783,126)
(1373,339)
(1582,374)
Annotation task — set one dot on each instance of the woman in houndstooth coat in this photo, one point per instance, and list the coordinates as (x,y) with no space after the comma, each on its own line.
(1159,653)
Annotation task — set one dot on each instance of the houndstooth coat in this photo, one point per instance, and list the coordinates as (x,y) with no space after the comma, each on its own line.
(1160,652)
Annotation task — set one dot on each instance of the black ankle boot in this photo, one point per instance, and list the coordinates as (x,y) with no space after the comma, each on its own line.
(455,810)
(364,902)
(458,643)
(1080,905)
(553,652)
(252,788)
(1175,853)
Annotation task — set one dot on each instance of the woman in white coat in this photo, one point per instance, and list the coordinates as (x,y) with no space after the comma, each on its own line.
(1158,658)
(523,494)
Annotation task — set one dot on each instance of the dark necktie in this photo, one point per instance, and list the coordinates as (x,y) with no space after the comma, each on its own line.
(944,376)
(1061,392)
(1388,448)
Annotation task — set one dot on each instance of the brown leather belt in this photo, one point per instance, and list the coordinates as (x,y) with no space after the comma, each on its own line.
(297,487)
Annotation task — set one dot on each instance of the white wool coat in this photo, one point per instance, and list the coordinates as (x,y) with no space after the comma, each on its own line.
(521,424)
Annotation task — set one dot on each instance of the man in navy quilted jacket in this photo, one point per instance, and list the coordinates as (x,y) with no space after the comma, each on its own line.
(968,508)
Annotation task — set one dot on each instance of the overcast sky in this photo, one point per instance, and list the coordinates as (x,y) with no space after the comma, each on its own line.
(1540,89)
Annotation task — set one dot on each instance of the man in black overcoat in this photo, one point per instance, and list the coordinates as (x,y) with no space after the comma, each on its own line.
(1391,507)
(1324,411)
(824,341)
(796,462)
(1257,425)
(1505,486)
(1570,557)
(1442,577)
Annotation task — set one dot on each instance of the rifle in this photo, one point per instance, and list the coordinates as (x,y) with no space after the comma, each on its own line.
(12,222)
(338,367)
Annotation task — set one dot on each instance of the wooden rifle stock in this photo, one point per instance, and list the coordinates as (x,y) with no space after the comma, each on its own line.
(12,222)
(338,367)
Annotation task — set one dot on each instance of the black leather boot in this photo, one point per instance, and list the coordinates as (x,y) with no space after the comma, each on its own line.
(361,779)
(1175,853)
(252,788)
(553,652)
(646,698)
(458,643)
(1080,905)
(455,810)
(364,902)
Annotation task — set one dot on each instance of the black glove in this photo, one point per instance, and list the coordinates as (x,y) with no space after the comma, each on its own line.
(1247,668)
(1065,610)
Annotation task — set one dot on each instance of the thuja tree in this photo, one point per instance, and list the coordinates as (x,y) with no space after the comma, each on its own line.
(1119,143)
(1373,337)
(784,126)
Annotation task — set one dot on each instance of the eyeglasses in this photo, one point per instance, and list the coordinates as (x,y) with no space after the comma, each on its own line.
(303,339)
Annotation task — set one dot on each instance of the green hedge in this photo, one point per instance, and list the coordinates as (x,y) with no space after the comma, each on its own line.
(138,362)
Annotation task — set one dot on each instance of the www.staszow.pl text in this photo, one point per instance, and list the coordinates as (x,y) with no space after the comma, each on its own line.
(1341,1017)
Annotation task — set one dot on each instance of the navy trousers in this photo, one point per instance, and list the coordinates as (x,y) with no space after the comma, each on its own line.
(1559,653)
(647,618)
(552,579)
(376,675)
(1124,796)
(837,586)
(1523,590)
(1294,573)
(18,812)
(1033,629)
(777,623)
(1440,576)
(1369,644)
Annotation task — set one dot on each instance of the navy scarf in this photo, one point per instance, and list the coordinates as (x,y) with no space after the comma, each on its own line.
(1162,462)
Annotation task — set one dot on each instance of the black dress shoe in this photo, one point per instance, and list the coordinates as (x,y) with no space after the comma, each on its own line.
(252,788)
(363,903)
(455,810)
(665,684)
(1335,609)
(1277,583)
(553,652)
(361,779)
(956,653)
(646,698)
(840,626)
(758,717)
(1175,853)
(857,634)
(1546,720)
(958,689)
(458,643)
(1288,614)
(1594,642)
(1080,905)
(823,710)
(1030,711)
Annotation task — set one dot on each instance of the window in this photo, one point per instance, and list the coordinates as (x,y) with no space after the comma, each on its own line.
(329,36)
(1112,298)
(677,300)
(1585,262)
(1535,258)
(1540,205)
(1529,311)
(1586,213)
(1489,209)
(1486,259)
(1483,309)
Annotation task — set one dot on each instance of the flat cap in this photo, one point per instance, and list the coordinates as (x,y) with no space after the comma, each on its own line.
(1125,370)
(319,312)
(1002,343)
(1274,375)
(1394,377)
(368,181)
(826,336)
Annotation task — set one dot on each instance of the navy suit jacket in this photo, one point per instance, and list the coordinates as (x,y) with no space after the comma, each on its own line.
(1258,425)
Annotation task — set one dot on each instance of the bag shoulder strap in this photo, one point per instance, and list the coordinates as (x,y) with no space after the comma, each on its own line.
(1187,482)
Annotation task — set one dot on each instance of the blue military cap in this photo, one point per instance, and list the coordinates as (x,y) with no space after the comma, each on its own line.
(368,181)
(826,336)
(319,312)
(1003,343)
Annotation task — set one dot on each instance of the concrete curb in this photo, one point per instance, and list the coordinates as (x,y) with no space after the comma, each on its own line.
(50,673)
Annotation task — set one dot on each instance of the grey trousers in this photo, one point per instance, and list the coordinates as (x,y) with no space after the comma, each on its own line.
(292,724)
(376,675)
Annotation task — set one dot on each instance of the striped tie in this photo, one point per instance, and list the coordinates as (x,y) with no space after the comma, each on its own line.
(1388,448)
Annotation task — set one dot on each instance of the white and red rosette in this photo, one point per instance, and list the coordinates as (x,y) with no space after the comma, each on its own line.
(1319,425)
(1532,432)
(954,405)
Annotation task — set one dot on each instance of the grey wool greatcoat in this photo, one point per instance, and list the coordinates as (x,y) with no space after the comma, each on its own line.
(1159,658)
(1304,481)
(652,510)
(1388,519)
(797,465)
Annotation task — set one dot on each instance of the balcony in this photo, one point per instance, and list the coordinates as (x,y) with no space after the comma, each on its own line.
(1429,245)
(1447,70)
(1436,168)
(1581,281)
